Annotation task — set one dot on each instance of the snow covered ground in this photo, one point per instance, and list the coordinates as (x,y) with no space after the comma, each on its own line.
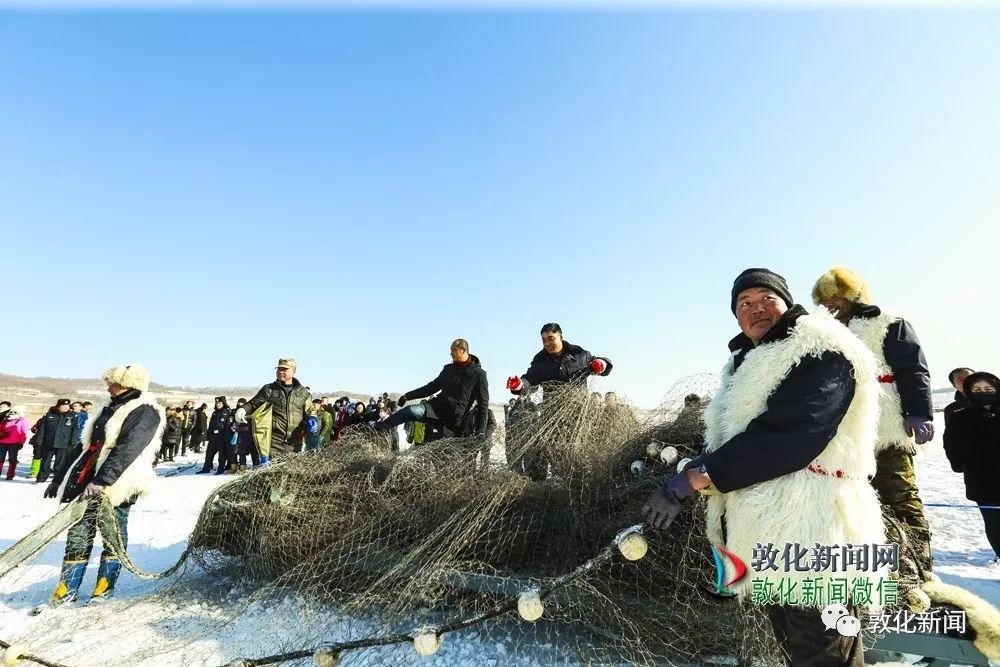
(158,533)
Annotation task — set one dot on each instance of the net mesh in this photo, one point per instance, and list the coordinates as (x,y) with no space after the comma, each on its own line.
(351,551)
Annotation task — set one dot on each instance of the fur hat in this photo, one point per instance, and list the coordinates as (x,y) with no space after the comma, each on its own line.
(843,282)
(17,411)
(133,376)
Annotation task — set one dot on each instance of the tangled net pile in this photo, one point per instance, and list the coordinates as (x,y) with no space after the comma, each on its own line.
(352,550)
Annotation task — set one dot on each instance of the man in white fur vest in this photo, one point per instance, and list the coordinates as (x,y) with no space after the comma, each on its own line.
(114,460)
(789,454)
(905,406)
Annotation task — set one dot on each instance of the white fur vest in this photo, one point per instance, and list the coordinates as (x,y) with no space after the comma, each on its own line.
(139,476)
(803,507)
(891,424)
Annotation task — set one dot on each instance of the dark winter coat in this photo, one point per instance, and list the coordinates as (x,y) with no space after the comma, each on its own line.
(363,417)
(188,419)
(174,431)
(905,357)
(137,432)
(570,367)
(459,388)
(221,423)
(801,418)
(200,423)
(489,428)
(972,444)
(58,431)
(288,409)
(959,403)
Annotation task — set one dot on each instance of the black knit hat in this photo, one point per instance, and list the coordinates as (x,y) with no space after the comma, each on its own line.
(761,278)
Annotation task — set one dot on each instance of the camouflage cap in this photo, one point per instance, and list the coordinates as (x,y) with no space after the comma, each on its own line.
(287,363)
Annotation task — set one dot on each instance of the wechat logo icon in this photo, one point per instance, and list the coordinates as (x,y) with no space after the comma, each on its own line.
(836,617)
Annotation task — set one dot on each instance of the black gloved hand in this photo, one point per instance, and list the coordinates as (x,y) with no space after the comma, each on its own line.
(401,401)
(52,490)
(663,506)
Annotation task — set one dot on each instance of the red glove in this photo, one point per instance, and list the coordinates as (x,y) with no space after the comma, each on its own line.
(597,366)
(514,383)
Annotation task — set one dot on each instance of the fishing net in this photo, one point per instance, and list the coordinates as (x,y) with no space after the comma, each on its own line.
(361,555)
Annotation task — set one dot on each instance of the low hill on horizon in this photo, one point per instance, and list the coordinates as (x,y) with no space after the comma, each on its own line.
(39,393)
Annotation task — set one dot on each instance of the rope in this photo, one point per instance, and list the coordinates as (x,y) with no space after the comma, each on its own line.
(33,658)
(335,650)
(964,507)
(108,526)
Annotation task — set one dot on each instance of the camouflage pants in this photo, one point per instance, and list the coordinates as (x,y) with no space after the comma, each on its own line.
(895,482)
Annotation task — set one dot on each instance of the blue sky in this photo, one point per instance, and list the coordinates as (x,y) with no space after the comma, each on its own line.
(204,191)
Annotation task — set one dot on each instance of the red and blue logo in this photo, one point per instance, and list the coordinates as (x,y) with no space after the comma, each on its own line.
(729,569)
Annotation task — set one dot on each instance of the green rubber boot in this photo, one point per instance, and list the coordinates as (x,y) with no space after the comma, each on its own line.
(36,466)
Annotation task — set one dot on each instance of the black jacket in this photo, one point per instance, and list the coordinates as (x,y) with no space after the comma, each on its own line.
(959,403)
(461,388)
(363,417)
(58,431)
(137,432)
(572,366)
(902,351)
(801,418)
(972,444)
(174,430)
(188,418)
(200,423)
(221,424)
(487,429)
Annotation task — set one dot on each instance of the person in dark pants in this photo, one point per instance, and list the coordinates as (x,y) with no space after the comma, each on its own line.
(220,431)
(560,365)
(56,435)
(972,444)
(114,460)
(906,422)
(199,429)
(789,449)
(461,397)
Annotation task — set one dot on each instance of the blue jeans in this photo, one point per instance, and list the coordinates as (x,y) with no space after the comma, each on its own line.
(411,413)
(80,542)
